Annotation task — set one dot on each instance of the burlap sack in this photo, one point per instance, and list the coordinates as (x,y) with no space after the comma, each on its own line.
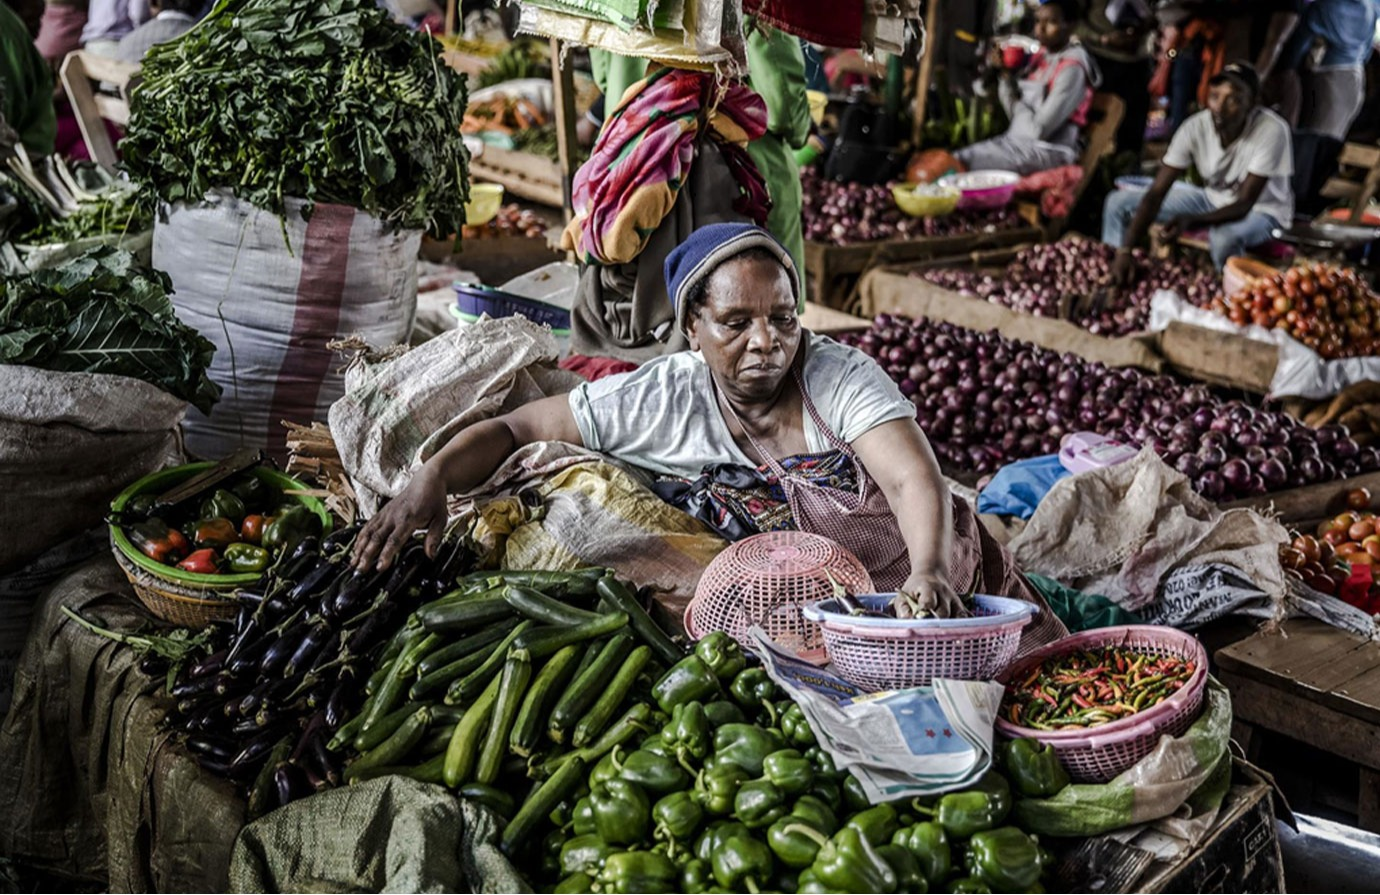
(69,442)
(1119,531)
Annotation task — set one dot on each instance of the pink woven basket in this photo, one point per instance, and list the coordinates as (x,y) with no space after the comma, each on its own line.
(1101,753)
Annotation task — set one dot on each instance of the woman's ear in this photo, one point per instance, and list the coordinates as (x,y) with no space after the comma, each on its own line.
(692,330)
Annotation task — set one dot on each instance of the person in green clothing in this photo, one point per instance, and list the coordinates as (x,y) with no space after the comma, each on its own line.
(26,90)
(776,70)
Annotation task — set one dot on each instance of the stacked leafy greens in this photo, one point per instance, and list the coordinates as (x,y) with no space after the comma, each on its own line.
(113,211)
(327,101)
(103,313)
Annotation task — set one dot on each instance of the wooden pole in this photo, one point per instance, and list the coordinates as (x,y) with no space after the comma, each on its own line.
(563,84)
(926,72)
(452,15)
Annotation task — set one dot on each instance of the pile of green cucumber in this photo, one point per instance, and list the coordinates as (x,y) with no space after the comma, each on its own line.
(483,689)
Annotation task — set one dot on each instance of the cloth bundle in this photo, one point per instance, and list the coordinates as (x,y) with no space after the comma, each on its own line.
(643,157)
(1055,187)
(703,35)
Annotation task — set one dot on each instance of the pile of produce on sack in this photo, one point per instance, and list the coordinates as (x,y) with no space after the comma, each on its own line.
(1328,308)
(849,213)
(984,401)
(1040,279)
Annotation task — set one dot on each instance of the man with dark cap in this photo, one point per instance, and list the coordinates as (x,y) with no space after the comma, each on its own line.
(1243,155)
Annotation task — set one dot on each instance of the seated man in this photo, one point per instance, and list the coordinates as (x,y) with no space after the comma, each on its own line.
(1244,155)
(173,19)
(1048,105)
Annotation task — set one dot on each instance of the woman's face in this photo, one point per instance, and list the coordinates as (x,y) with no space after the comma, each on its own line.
(747,327)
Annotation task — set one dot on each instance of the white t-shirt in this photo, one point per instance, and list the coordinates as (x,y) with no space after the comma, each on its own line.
(1264,148)
(663,416)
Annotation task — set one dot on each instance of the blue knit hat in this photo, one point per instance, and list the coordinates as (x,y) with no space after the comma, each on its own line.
(699,256)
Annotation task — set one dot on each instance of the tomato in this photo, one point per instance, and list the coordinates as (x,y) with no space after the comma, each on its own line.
(1361,530)
(1326,553)
(1308,546)
(1336,537)
(1358,499)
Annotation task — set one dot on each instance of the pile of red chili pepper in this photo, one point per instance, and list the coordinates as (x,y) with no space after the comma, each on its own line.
(1091,687)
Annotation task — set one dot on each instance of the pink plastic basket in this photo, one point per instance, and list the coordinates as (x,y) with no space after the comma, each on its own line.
(887,654)
(1100,754)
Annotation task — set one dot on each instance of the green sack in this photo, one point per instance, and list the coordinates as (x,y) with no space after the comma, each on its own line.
(1194,769)
(1079,611)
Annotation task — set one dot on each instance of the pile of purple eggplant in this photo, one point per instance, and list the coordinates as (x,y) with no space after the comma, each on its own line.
(278,683)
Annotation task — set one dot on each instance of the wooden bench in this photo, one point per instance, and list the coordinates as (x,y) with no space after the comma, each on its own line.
(1315,684)
(1357,179)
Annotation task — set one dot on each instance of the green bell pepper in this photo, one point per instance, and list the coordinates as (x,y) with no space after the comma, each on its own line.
(877,824)
(759,803)
(789,770)
(638,871)
(253,492)
(1006,859)
(243,558)
(807,882)
(909,875)
(606,768)
(222,504)
(827,791)
(796,727)
(822,762)
(722,654)
(792,845)
(741,861)
(575,884)
(717,834)
(652,743)
(930,845)
(1034,768)
(962,814)
(995,785)
(689,680)
(818,813)
(849,862)
(287,530)
(717,788)
(657,774)
(696,876)
(754,689)
(746,745)
(584,854)
(721,712)
(688,733)
(677,816)
(968,885)
(854,795)
(622,812)
(582,817)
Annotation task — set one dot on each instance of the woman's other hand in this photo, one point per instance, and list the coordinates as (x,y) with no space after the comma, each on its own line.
(421,505)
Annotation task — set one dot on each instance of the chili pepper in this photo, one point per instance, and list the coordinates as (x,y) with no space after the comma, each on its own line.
(622,812)
(817,813)
(716,835)
(722,654)
(752,689)
(677,816)
(286,531)
(158,541)
(759,803)
(641,871)
(687,681)
(1006,859)
(1034,768)
(222,504)
(796,727)
(746,745)
(969,886)
(717,788)
(243,558)
(909,875)
(696,877)
(928,842)
(741,861)
(877,824)
(791,846)
(721,712)
(584,853)
(789,770)
(688,732)
(657,774)
(849,862)
(200,562)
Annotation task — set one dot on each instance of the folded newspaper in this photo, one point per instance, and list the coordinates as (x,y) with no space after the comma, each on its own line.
(898,743)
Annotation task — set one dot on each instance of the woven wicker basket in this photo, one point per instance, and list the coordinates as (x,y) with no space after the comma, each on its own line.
(178,604)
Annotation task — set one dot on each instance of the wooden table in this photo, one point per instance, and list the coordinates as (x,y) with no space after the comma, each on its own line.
(1315,684)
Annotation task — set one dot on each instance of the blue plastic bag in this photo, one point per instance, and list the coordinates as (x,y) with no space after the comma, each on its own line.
(1017,488)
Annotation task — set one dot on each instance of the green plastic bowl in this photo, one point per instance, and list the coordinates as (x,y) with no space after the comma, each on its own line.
(162,481)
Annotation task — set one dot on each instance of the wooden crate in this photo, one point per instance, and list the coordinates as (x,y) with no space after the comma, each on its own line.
(833,271)
(526,176)
(1303,508)
(1218,358)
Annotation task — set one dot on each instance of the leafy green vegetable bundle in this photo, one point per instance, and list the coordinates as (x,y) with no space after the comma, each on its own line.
(103,313)
(327,101)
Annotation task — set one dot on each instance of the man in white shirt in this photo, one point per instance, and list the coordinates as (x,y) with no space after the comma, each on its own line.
(1244,155)
(174,18)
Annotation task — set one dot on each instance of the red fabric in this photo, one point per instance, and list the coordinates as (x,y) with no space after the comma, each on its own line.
(1080,115)
(826,24)
(1055,188)
(593,368)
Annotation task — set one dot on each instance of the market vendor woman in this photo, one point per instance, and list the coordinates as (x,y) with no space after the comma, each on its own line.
(763,422)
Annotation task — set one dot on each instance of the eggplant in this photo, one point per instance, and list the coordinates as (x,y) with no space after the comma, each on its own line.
(190,705)
(212,664)
(308,546)
(378,622)
(215,766)
(243,640)
(341,537)
(317,638)
(208,718)
(215,747)
(153,665)
(337,701)
(357,592)
(291,783)
(294,570)
(250,597)
(281,650)
(249,705)
(316,725)
(312,582)
(257,748)
(325,760)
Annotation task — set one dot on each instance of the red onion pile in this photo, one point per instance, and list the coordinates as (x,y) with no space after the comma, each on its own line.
(847,213)
(1041,274)
(985,401)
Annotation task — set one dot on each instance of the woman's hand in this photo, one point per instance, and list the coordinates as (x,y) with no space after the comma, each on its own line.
(929,592)
(422,504)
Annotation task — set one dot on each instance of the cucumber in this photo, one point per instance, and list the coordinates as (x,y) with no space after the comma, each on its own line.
(543,642)
(462,691)
(557,788)
(447,654)
(547,685)
(601,713)
(585,689)
(539,607)
(463,615)
(464,743)
(621,599)
(517,673)
(392,750)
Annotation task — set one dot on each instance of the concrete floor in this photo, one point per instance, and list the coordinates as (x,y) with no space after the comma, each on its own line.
(1325,856)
